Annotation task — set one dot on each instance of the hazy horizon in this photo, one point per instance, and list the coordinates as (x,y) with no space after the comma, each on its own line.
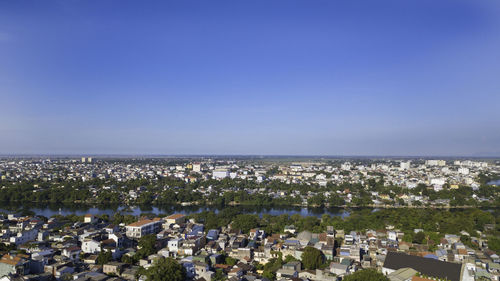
(332,78)
(223,156)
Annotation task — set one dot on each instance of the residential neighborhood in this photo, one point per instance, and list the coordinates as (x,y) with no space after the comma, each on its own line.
(91,248)
(314,183)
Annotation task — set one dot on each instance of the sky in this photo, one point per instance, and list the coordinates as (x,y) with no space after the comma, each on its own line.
(272,77)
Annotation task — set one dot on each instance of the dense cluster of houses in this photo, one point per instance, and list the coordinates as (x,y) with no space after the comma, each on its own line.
(53,249)
(399,172)
(434,174)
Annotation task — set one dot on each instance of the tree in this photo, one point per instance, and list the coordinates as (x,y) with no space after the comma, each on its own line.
(290,258)
(419,237)
(335,200)
(494,244)
(271,267)
(146,246)
(219,275)
(166,269)
(245,222)
(269,275)
(230,261)
(128,259)
(312,258)
(366,274)
(7,248)
(104,257)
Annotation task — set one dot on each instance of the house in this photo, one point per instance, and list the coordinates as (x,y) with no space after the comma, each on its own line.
(429,267)
(330,232)
(392,236)
(348,239)
(175,219)
(73,253)
(202,270)
(402,274)
(295,265)
(14,264)
(92,259)
(196,230)
(213,234)
(287,273)
(235,272)
(339,268)
(304,237)
(24,236)
(117,238)
(492,255)
(143,227)
(174,245)
(327,250)
(42,235)
(290,229)
(112,228)
(257,234)
(90,246)
(63,271)
(113,267)
(190,247)
(89,218)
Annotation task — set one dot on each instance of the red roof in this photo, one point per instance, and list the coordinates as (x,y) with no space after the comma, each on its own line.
(142,222)
(175,216)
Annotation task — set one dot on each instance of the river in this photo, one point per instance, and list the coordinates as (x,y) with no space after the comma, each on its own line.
(495,182)
(48,210)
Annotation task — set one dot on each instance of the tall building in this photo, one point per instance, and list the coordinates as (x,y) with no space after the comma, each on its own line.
(405,165)
(87,160)
(346,166)
(435,163)
(220,173)
(197,167)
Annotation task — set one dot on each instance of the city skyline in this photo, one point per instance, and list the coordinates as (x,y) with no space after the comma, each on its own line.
(417,78)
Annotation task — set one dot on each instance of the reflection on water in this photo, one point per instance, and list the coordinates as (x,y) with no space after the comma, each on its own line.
(48,210)
(496,182)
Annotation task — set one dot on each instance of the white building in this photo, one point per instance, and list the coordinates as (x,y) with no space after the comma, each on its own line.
(143,227)
(346,166)
(405,165)
(435,163)
(197,167)
(220,174)
(73,253)
(438,181)
(174,245)
(90,246)
(89,218)
(392,236)
(118,238)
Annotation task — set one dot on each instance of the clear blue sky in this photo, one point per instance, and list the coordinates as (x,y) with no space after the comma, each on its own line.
(413,77)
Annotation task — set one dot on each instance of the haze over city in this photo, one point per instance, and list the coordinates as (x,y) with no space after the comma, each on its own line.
(250,77)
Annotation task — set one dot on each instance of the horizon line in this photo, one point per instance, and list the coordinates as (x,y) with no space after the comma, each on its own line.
(180,155)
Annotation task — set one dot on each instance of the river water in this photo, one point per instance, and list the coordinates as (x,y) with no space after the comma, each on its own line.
(496,182)
(81,209)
